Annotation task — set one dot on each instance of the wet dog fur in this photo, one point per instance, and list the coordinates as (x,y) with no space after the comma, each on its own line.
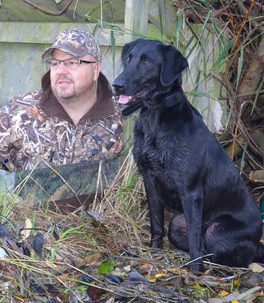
(183,166)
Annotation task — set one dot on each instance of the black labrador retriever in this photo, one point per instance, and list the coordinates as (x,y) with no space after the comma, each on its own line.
(183,165)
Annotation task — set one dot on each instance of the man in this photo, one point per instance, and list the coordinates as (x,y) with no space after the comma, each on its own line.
(71,119)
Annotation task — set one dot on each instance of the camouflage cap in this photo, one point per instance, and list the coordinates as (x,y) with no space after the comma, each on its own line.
(76,42)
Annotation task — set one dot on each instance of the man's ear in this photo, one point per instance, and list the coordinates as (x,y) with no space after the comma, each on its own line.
(173,64)
(98,69)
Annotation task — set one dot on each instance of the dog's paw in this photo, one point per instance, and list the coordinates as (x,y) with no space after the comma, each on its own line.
(196,267)
(156,244)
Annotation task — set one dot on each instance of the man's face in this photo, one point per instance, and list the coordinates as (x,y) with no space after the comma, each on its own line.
(74,84)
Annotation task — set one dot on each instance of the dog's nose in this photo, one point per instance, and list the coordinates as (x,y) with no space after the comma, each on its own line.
(118,85)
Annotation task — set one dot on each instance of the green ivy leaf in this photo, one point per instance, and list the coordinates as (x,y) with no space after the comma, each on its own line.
(106,267)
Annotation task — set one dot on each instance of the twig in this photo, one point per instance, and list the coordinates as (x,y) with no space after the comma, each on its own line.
(49,12)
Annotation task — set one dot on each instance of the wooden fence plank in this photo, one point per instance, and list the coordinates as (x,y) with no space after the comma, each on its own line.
(136,18)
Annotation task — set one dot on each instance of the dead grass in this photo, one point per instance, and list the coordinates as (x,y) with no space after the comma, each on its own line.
(103,255)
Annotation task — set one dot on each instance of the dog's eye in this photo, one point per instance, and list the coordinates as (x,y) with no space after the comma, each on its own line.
(146,62)
(128,58)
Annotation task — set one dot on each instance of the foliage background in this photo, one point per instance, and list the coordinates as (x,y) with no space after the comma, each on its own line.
(239,68)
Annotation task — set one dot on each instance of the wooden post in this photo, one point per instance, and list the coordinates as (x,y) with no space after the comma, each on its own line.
(136,19)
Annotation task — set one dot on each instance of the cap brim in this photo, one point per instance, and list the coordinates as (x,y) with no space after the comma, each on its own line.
(69,50)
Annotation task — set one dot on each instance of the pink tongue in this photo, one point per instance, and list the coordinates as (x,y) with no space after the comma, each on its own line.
(124,99)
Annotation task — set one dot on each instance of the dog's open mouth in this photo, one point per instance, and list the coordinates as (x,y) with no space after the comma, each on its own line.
(123,99)
(133,104)
(127,99)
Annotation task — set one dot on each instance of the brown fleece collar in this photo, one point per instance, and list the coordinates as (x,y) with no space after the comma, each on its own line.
(102,108)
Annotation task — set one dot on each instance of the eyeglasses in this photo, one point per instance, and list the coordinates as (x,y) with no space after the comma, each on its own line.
(71,64)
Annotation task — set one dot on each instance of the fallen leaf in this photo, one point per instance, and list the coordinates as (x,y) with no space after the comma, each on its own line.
(255,267)
(25,233)
(3,254)
(106,267)
(92,259)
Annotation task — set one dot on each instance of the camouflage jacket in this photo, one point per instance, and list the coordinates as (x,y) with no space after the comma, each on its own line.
(35,131)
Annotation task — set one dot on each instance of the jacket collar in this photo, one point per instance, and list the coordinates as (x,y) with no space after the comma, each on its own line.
(103,107)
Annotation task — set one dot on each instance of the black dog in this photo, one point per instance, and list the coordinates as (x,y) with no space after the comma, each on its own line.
(183,165)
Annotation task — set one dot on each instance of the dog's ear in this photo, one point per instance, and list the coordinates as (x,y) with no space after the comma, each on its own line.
(172,66)
(126,48)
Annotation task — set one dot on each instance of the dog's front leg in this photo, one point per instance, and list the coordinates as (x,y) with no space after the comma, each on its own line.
(156,213)
(193,211)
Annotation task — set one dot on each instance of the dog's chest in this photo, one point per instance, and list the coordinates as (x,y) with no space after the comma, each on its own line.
(154,153)
(152,144)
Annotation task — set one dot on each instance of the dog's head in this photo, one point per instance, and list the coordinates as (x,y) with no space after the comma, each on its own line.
(150,68)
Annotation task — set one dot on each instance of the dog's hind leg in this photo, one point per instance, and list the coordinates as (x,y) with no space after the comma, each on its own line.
(177,233)
(229,244)
(224,240)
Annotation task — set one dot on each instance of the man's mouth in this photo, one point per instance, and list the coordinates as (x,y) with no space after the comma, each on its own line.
(63,82)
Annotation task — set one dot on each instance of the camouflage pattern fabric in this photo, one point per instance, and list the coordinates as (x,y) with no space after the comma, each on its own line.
(76,42)
(29,138)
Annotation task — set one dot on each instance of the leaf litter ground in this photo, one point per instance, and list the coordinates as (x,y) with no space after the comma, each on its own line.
(102,255)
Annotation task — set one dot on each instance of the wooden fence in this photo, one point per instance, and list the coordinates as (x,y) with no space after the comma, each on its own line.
(22,43)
